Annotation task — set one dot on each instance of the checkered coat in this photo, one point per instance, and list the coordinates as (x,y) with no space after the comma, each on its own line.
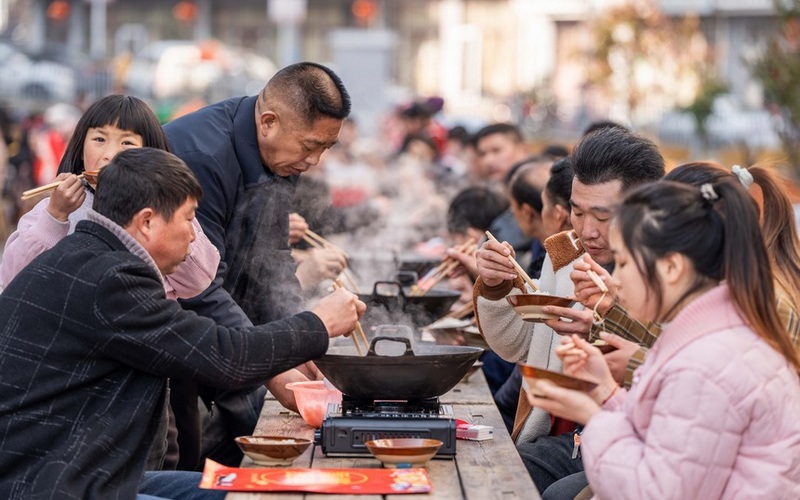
(88,339)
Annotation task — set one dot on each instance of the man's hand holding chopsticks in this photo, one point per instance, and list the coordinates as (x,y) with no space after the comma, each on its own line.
(297,228)
(319,264)
(339,311)
(493,264)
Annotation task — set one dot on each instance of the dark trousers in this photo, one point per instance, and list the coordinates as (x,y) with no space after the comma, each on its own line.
(183,485)
(496,370)
(566,488)
(507,397)
(549,459)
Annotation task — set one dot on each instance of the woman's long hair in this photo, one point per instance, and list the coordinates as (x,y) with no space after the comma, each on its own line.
(779,230)
(717,228)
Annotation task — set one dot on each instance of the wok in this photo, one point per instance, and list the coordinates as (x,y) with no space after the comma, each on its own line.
(393,298)
(427,373)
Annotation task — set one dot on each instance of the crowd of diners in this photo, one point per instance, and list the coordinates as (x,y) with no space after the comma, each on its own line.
(148,309)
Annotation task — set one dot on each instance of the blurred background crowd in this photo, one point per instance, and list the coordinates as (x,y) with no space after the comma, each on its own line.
(705,79)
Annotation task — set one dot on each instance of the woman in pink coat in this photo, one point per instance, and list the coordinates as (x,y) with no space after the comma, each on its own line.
(110,125)
(714,412)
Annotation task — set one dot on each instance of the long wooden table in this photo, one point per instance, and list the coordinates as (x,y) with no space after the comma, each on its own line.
(481,469)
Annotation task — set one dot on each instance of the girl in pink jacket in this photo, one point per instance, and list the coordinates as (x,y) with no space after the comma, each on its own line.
(714,411)
(110,125)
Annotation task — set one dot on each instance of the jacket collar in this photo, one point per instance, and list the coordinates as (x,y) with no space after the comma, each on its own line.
(245,142)
(709,313)
(116,237)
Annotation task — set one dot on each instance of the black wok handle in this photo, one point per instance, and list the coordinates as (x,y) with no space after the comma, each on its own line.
(406,278)
(408,351)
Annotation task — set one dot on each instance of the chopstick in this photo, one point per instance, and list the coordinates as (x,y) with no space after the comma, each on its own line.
(519,269)
(43,189)
(597,281)
(468,309)
(317,244)
(441,271)
(324,242)
(358,330)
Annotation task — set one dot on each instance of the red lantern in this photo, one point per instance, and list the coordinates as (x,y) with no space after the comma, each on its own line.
(364,11)
(184,11)
(58,10)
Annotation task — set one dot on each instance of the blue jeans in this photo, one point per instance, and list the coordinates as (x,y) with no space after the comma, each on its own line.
(176,485)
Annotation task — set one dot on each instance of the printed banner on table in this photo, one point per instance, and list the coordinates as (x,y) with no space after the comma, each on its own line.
(348,481)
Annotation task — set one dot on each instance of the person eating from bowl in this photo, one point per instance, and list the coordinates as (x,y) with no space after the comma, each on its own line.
(712,412)
(90,339)
(606,163)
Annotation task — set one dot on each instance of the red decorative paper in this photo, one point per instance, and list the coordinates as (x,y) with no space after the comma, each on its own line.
(347,481)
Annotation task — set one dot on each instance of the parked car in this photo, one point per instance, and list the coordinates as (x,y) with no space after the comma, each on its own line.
(169,69)
(25,80)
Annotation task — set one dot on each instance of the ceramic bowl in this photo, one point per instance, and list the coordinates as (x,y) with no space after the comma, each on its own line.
(403,453)
(529,305)
(312,400)
(531,374)
(272,450)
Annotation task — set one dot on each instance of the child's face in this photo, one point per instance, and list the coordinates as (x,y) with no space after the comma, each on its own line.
(103,143)
(633,292)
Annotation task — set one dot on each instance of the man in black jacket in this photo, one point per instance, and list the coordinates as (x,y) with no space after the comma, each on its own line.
(247,153)
(89,339)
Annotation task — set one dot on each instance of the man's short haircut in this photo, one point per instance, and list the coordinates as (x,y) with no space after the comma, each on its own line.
(601,124)
(506,129)
(613,153)
(458,133)
(555,151)
(523,190)
(310,90)
(138,178)
(559,185)
(512,171)
(475,207)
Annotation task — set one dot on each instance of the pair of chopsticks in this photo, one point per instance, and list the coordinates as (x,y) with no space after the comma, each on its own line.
(43,189)
(462,313)
(317,241)
(338,284)
(519,268)
(441,271)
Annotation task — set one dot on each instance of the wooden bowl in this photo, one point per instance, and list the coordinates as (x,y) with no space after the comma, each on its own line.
(91,176)
(531,373)
(404,452)
(272,450)
(529,305)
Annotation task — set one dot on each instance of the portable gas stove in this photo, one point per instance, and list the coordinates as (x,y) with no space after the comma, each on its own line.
(347,426)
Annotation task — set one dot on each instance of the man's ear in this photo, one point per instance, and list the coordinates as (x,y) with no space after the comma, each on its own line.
(266,121)
(530,213)
(562,214)
(141,225)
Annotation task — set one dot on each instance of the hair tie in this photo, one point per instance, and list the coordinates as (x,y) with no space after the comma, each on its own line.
(707,190)
(744,175)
